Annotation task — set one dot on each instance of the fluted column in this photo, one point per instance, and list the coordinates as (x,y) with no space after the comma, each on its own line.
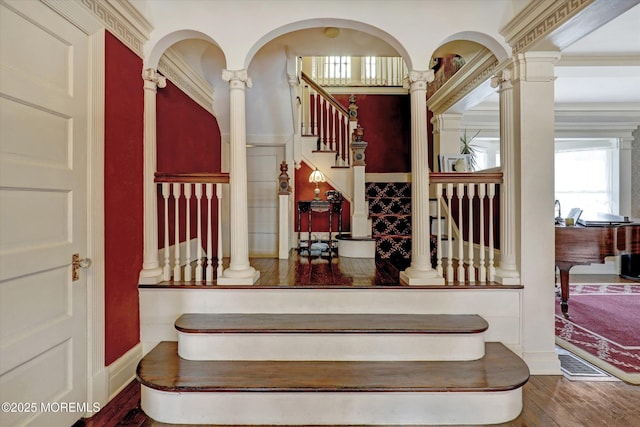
(420,272)
(507,271)
(151,271)
(240,271)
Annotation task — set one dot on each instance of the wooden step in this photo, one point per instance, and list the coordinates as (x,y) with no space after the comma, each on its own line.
(209,336)
(175,390)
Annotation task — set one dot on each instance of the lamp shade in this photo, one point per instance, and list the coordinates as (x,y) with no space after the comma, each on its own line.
(317,176)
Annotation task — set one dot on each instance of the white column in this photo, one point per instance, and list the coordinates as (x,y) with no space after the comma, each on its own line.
(534,134)
(283,226)
(420,272)
(360,226)
(507,272)
(240,272)
(446,134)
(151,270)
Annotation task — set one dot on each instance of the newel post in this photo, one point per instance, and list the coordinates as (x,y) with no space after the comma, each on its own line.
(284,194)
(359,220)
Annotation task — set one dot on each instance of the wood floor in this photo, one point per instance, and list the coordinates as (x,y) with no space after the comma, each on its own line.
(549,401)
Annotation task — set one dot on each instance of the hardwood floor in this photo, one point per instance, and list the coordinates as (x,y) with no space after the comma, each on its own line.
(549,401)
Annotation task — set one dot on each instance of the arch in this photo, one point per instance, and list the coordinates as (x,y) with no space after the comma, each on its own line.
(480,38)
(329,22)
(165,42)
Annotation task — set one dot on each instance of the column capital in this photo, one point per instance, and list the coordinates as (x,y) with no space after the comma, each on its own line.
(446,121)
(418,79)
(502,79)
(235,77)
(153,79)
(535,66)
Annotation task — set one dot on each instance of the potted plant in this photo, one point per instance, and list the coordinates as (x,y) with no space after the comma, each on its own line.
(466,147)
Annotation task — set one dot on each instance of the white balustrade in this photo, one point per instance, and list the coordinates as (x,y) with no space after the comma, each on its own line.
(173,187)
(471,190)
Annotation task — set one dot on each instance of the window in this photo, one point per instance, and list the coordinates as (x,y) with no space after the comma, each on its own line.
(586,175)
(338,67)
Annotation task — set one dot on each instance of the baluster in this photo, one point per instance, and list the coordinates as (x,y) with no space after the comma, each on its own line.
(166,269)
(209,272)
(187,268)
(332,128)
(439,233)
(460,269)
(317,115)
(219,254)
(471,268)
(482,270)
(324,112)
(199,268)
(177,274)
(449,234)
(492,193)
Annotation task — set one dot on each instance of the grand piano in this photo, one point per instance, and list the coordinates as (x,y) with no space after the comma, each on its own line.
(579,245)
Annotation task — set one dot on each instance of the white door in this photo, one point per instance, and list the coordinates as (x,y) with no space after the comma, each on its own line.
(263,168)
(43,153)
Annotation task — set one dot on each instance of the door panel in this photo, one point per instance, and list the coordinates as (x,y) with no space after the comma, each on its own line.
(263,168)
(43,143)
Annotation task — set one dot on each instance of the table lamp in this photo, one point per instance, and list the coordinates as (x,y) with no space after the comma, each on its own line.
(317,177)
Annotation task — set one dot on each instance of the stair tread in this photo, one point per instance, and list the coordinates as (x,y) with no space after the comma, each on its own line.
(330,323)
(500,370)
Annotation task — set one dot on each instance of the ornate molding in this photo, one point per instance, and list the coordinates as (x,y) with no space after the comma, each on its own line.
(538,20)
(123,21)
(186,79)
(477,70)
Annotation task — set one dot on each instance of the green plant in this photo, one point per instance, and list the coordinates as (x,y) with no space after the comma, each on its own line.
(466,147)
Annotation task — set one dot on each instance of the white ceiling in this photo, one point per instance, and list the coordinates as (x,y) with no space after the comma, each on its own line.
(601,68)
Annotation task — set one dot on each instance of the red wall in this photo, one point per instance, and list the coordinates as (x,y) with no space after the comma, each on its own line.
(188,140)
(123,194)
(305,191)
(386,120)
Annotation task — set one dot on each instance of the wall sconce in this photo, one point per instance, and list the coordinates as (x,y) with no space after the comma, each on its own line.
(317,177)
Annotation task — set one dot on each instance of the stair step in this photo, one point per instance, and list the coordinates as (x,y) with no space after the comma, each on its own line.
(354,337)
(175,390)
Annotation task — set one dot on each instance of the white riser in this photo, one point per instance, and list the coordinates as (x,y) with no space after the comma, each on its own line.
(332,408)
(159,308)
(325,346)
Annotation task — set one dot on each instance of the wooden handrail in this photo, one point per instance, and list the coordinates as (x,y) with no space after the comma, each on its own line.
(325,94)
(198,177)
(465,177)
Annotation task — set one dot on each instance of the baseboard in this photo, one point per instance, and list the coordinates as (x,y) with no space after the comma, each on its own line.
(123,370)
(543,363)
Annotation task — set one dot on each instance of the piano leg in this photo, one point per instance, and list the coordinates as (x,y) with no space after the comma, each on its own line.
(564,287)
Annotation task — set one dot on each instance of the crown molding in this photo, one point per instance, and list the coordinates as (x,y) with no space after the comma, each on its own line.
(122,20)
(538,20)
(598,61)
(476,71)
(173,67)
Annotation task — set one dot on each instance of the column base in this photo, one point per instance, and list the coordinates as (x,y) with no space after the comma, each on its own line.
(151,276)
(239,277)
(507,277)
(542,362)
(413,277)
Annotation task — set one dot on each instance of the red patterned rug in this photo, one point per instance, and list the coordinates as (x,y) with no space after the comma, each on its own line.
(604,327)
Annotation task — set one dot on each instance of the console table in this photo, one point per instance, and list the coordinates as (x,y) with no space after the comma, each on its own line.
(319,207)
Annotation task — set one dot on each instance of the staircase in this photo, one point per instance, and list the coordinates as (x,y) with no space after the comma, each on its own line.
(331,369)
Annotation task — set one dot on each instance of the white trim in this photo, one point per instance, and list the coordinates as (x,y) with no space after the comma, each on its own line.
(388,177)
(96,371)
(123,370)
